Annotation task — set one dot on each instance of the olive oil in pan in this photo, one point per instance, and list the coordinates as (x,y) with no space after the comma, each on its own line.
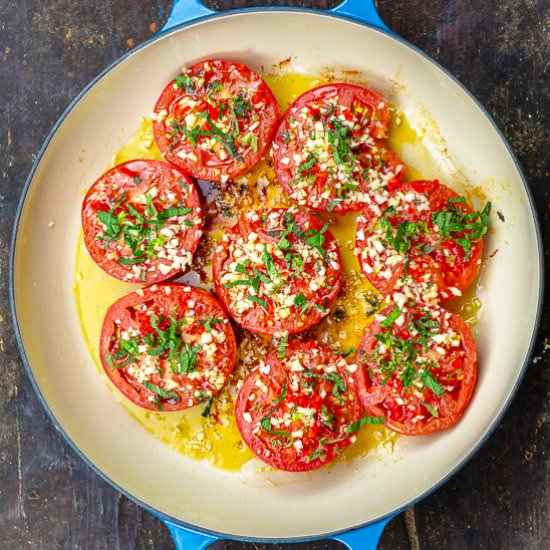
(212,433)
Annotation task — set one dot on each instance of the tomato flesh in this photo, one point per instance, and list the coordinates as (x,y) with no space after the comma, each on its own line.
(328,149)
(167,347)
(142,221)
(215,120)
(425,241)
(277,271)
(417,368)
(298,412)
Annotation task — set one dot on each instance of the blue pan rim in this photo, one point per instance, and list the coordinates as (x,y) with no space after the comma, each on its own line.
(217,534)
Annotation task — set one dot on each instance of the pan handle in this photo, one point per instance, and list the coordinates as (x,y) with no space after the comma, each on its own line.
(185,11)
(360,10)
(189,539)
(364,538)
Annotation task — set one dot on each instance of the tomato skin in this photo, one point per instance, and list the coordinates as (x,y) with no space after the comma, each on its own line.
(258,318)
(168,300)
(375,163)
(278,388)
(122,180)
(381,398)
(446,265)
(235,77)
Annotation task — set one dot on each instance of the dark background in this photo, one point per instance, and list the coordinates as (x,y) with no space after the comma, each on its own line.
(50,49)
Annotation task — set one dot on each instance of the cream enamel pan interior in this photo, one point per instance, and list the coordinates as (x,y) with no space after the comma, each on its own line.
(247,505)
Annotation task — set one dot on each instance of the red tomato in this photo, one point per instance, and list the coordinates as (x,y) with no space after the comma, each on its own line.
(425,241)
(277,271)
(300,411)
(215,120)
(417,368)
(328,151)
(167,347)
(142,221)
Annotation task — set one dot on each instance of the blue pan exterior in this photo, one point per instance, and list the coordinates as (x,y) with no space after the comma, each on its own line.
(360,536)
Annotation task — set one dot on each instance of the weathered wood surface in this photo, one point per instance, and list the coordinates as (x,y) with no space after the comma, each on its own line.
(49,49)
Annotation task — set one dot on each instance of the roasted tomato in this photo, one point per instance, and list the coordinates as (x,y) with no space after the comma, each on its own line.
(277,271)
(142,221)
(417,368)
(167,347)
(299,409)
(426,242)
(328,149)
(215,120)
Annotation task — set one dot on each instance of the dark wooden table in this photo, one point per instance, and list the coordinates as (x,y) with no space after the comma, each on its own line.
(49,49)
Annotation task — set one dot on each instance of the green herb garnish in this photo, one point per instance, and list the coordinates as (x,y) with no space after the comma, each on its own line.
(161,392)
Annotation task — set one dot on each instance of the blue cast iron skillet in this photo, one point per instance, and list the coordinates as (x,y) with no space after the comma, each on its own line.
(187,536)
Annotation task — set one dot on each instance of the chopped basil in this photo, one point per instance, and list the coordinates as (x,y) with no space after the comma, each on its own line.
(391,318)
(208,322)
(317,454)
(308,164)
(330,110)
(185,82)
(131,261)
(338,137)
(111,223)
(430,409)
(270,268)
(187,358)
(241,106)
(284,438)
(109,361)
(316,239)
(227,141)
(281,348)
(297,263)
(254,283)
(462,227)
(251,139)
(257,300)
(358,424)
(213,88)
(172,212)
(301,302)
(138,230)
(308,180)
(430,381)
(284,243)
(339,385)
(281,396)
(402,241)
(161,392)
(346,352)
(333,204)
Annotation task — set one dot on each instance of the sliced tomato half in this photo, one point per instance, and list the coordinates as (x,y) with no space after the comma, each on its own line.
(417,368)
(328,149)
(167,347)
(425,242)
(277,271)
(298,412)
(215,120)
(142,221)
